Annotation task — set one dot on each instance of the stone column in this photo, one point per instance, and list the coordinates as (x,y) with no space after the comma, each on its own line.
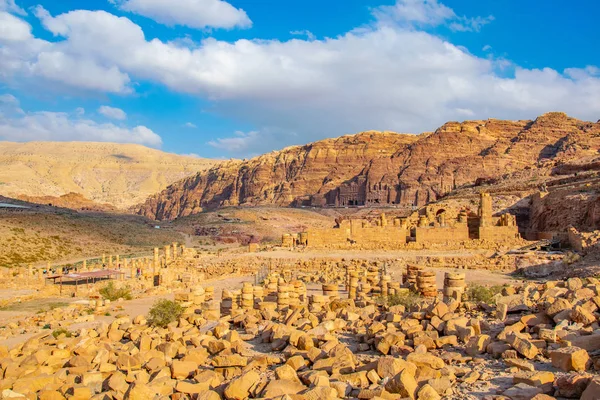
(110,262)
(353,285)
(331,291)
(247,296)
(167,254)
(454,286)
(133,269)
(30,271)
(84,266)
(103,259)
(283,297)
(156,262)
(175,248)
(118,261)
(385,280)
(426,283)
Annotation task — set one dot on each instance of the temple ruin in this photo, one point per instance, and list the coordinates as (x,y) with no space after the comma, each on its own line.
(425,227)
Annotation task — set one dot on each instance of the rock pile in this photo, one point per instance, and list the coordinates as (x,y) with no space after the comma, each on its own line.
(538,341)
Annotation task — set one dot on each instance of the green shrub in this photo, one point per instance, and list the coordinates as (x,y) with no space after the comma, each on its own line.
(61,331)
(482,294)
(163,312)
(110,292)
(407,300)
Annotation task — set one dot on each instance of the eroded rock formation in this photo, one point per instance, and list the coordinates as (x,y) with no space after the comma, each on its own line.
(381,168)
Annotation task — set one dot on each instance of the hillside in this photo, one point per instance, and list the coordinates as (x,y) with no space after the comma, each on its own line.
(121,175)
(37,234)
(383,168)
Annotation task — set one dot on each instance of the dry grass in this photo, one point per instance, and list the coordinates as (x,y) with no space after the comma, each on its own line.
(37,237)
(264,224)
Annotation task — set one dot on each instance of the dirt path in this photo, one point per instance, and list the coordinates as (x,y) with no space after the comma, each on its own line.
(362,254)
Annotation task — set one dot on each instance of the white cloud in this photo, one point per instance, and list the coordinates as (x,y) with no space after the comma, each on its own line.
(16,125)
(193,155)
(387,76)
(190,125)
(423,13)
(9,99)
(464,24)
(420,12)
(239,144)
(308,34)
(22,55)
(13,29)
(79,111)
(112,112)
(10,6)
(487,47)
(192,13)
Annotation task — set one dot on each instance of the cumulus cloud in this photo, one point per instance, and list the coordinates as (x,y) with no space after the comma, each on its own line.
(13,29)
(112,112)
(17,125)
(10,6)
(386,76)
(424,13)
(190,125)
(192,13)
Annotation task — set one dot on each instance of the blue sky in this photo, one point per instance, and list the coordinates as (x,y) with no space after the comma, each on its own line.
(240,78)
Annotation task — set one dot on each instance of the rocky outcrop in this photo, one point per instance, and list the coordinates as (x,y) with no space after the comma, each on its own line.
(379,168)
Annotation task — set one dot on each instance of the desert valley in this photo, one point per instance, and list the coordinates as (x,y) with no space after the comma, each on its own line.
(316,200)
(461,263)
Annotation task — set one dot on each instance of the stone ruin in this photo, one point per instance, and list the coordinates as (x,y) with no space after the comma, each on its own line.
(277,340)
(422,230)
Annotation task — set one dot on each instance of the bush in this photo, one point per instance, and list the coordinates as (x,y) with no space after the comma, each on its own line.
(110,292)
(163,312)
(482,294)
(61,331)
(407,300)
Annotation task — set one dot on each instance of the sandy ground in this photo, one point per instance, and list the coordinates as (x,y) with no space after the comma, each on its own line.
(363,254)
(132,308)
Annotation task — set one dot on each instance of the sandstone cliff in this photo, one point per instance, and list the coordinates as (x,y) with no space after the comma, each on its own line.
(382,168)
(121,175)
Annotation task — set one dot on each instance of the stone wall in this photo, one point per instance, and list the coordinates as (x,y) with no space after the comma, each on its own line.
(388,236)
(361,233)
(498,233)
(457,233)
(327,237)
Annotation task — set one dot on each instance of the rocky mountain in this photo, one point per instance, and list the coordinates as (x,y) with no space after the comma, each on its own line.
(121,175)
(383,168)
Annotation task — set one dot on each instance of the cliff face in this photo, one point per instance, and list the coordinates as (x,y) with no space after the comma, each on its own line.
(379,168)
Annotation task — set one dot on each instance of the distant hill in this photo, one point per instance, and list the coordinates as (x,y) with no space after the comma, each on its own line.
(36,234)
(384,168)
(120,175)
